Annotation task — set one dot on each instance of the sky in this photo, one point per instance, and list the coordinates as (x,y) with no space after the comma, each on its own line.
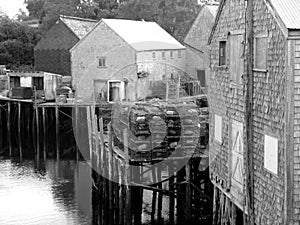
(11,7)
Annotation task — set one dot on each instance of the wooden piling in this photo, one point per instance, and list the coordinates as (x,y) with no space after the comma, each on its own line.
(127,179)
(44,133)
(154,194)
(76,132)
(188,194)
(171,188)
(8,128)
(19,130)
(160,196)
(37,133)
(57,133)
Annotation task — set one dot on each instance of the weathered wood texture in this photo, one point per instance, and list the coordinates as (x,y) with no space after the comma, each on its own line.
(227,99)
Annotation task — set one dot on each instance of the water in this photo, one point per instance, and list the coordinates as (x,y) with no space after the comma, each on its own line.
(54,193)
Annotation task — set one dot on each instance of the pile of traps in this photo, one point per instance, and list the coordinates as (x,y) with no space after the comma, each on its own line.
(157,130)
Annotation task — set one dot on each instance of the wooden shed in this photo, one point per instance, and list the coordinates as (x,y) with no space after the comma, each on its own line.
(197,49)
(254,112)
(52,53)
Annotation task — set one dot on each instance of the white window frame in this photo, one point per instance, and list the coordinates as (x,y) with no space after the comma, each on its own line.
(218,131)
(271,152)
(122,89)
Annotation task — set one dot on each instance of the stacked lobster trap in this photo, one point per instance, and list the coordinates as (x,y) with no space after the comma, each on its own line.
(157,130)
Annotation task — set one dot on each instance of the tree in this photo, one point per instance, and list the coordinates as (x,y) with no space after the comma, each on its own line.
(16,43)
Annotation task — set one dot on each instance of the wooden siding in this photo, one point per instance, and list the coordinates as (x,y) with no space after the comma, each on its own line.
(227,99)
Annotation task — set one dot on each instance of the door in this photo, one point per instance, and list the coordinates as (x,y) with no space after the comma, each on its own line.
(237,161)
(201,77)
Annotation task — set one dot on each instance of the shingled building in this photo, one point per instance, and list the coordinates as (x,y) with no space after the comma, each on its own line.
(52,53)
(255,160)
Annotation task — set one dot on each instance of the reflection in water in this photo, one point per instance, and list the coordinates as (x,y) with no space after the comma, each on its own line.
(53,193)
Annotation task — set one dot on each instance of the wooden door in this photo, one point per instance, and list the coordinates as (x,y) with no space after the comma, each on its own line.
(237,161)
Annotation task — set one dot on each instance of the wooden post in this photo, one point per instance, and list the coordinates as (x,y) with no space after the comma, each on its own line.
(76,132)
(171,187)
(167,89)
(57,132)
(8,128)
(37,133)
(154,194)
(89,125)
(45,134)
(188,193)
(160,196)
(110,173)
(215,206)
(19,130)
(249,113)
(127,179)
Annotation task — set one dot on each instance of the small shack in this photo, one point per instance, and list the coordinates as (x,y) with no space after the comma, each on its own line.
(254,111)
(33,84)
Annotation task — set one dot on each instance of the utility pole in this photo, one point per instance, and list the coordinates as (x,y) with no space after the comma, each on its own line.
(249,112)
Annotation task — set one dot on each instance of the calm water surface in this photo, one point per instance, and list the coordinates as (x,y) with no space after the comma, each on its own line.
(56,193)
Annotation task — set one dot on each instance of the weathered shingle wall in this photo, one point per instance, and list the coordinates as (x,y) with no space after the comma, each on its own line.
(296,192)
(227,100)
(269,118)
(224,100)
(52,52)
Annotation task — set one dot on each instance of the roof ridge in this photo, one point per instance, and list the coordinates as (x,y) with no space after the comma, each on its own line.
(78,18)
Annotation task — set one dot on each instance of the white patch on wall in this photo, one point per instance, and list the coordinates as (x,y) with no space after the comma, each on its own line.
(218,128)
(26,81)
(271,154)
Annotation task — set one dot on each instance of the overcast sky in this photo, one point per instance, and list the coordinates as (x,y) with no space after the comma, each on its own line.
(11,7)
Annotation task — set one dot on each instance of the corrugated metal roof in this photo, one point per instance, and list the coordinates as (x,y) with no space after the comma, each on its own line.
(79,26)
(289,12)
(143,36)
(213,9)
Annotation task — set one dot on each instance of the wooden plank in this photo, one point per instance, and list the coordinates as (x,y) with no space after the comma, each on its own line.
(110,173)
(160,196)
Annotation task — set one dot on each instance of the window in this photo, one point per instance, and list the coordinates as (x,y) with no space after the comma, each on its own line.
(222,53)
(260,51)
(38,83)
(153,55)
(236,58)
(218,128)
(102,62)
(171,54)
(163,55)
(271,154)
(179,54)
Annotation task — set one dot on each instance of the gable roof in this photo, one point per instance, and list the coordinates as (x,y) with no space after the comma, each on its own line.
(79,26)
(143,36)
(200,30)
(288,12)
